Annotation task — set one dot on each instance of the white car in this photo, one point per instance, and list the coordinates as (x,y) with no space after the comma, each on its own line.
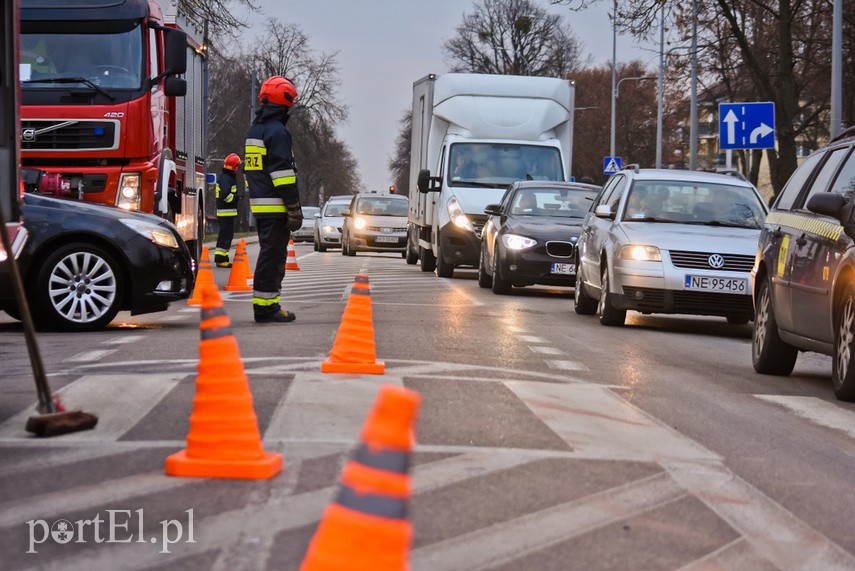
(669,241)
(306,231)
(375,223)
(327,224)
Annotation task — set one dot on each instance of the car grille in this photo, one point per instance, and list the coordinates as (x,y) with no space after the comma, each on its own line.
(560,249)
(701,261)
(478,222)
(691,302)
(79,135)
(386,229)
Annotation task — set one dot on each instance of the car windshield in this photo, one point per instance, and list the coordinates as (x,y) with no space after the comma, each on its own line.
(310,211)
(108,55)
(381,206)
(335,208)
(559,202)
(691,202)
(498,165)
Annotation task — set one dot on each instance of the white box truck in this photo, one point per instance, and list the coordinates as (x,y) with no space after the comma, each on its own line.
(473,135)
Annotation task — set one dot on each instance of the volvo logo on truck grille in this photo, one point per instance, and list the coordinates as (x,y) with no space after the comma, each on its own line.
(716,261)
(28,135)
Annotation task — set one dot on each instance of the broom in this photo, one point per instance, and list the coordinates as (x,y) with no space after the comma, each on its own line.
(53,420)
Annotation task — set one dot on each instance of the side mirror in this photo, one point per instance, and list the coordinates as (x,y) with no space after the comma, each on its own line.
(423,182)
(174,87)
(493,209)
(175,52)
(604,211)
(345,213)
(318,215)
(827,203)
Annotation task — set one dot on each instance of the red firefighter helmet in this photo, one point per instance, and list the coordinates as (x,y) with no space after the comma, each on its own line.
(279,91)
(232,162)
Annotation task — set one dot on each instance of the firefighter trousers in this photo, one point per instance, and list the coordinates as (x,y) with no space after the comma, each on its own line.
(273,236)
(224,239)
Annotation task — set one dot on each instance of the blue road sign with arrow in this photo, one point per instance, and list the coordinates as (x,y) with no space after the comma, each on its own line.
(611,165)
(746,125)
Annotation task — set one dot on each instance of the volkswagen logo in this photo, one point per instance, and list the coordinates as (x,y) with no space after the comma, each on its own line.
(716,261)
(28,135)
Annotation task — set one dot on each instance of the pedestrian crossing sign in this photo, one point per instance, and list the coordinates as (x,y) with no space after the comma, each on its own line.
(611,165)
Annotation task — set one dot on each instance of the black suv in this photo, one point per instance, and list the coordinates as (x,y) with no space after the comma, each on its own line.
(804,275)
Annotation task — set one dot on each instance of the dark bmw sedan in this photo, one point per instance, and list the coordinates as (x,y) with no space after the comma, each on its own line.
(83,263)
(530,238)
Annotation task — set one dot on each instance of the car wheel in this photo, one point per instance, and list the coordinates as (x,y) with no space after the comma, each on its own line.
(501,285)
(350,251)
(769,354)
(315,244)
(485,280)
(343,246)
(609,314)
(738,319)
(412,253)
(443,268)
(583,303)
(843,373)
(427,259)
(321,247)
(79,288)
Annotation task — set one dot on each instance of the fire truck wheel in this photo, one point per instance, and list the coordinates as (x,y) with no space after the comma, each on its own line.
(79,287)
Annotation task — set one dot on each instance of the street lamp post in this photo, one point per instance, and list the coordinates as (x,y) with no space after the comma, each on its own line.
(614,77)
(836,68)
(693,128)
(661,98)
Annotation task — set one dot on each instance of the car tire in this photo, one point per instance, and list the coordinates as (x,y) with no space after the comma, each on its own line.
(843,370)
(350,251)
(501,286)
(485,280)
(412,253)
(321,247)
(315,244)
(609,314)
(443,268)
(427,260)
(769,354)
(84,267)
(583,303)
(343,247)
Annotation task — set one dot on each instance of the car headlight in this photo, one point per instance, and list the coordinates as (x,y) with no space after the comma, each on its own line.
(640,253)
(359,223)
(458,217)
(329,229)
(155,233)
(515,242)
(129,191)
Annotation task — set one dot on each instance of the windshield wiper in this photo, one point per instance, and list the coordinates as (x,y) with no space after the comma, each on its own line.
(721,223)
(478,184)
(648,219)
(82,80)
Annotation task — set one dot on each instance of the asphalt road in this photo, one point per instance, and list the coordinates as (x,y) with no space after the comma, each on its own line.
(545,440)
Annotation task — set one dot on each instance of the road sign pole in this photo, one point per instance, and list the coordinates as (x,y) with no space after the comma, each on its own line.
(728,154)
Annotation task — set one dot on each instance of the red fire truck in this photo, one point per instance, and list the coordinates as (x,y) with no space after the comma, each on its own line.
(105,117)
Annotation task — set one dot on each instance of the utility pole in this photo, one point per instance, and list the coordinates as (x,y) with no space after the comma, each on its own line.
(693,128)
(836,69)
(660,104)
(614,77)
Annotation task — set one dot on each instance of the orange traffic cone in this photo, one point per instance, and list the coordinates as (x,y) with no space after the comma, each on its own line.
(291,260)
(224,441)
(204,277)
(366,526)
(240,271)
(241,247)
(353,350)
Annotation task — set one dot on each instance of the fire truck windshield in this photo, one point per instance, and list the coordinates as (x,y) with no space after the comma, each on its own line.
(106,54)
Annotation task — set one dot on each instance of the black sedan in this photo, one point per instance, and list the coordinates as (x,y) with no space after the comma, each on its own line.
(530,238)
(84,262)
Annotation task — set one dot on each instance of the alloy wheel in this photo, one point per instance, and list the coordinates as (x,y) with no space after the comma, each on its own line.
(82,287)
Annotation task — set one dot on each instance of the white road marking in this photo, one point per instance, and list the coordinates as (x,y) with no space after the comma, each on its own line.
(190,310)
(170,318)
(120,401)
(504,542)
(532,339)
(567,365)
(738,555)
(124,340)
(87,356)
(817,411)
(543,350)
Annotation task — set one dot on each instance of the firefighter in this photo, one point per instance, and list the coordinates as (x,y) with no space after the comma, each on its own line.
(227,199)
(273,197)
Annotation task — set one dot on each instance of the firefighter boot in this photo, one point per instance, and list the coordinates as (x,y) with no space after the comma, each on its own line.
(280,316)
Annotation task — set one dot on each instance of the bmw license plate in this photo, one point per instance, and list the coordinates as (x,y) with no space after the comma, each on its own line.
(721,285)
(564,269)
(386,239)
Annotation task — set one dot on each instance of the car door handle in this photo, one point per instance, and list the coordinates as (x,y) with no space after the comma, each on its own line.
(776,233)
(801,240)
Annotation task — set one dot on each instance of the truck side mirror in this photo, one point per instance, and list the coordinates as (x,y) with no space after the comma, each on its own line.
(175,52)
(174,87)
(423,182)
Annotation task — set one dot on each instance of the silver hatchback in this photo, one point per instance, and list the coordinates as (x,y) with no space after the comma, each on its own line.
(665,241)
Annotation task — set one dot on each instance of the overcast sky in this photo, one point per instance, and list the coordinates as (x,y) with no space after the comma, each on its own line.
(385,45)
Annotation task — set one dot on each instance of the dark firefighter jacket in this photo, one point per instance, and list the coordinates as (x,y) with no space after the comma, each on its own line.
(269,164)
(227,194)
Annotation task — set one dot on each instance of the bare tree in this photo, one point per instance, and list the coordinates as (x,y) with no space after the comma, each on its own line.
(220,14)
(513,37)
(399,163)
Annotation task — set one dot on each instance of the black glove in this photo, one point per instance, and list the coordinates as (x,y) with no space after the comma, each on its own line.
(295,216)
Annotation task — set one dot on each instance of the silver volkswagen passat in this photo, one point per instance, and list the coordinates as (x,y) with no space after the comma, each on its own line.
(666,241)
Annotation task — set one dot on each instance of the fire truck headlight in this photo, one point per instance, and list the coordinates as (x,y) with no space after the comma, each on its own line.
(129,191)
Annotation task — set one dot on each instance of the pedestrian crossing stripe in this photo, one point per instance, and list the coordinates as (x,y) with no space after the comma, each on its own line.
(805,223)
